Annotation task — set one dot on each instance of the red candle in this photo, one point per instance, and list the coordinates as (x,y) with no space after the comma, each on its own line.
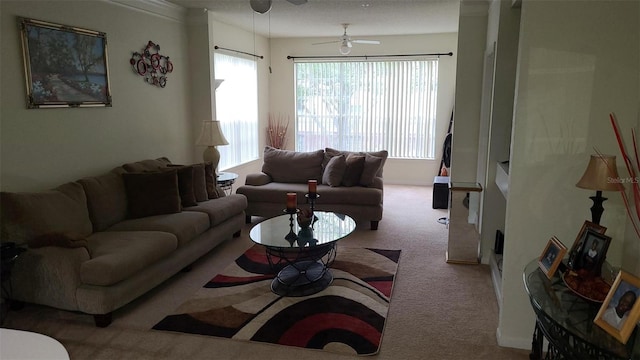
(291,201)
(313,186)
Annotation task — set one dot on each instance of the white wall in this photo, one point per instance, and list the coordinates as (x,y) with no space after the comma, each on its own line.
(42,148)
(578,61)
(419,172)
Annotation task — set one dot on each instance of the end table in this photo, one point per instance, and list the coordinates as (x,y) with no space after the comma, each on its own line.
(225,180)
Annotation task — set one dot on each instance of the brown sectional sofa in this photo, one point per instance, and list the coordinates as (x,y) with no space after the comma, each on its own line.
(348,182)
(98,243)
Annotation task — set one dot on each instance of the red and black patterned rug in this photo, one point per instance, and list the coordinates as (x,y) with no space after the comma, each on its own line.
(347,317)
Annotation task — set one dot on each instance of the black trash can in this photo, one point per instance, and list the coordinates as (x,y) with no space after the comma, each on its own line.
(440,192)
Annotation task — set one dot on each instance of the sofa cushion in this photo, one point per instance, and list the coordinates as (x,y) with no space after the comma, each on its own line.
(371,167)
(353,170)
(117,255)
(106,198)
(185,225)
(152,193)
(147,165)
(26,215)
(221,209)
(57,239)
(329,153)
(288,166)
(185,186)
(334,171)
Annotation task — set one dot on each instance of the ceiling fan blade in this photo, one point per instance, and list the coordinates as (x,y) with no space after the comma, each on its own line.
(371,42)
(297,2)
(327,42)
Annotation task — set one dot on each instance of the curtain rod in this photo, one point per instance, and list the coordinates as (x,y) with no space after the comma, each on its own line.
(366,56)
(238,51)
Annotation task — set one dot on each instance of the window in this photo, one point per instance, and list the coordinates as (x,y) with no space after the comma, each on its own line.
(237,109)
(367,106)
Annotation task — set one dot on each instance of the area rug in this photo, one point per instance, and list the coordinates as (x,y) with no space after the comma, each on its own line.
(346,317)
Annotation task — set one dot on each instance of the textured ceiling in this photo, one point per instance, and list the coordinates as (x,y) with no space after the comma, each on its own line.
(322,18)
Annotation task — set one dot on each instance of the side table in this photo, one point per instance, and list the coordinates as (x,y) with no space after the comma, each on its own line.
(225,180)
(566,321)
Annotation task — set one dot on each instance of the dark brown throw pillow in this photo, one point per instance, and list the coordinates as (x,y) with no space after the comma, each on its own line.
(334,171)
(211,181)
(355,165)
(199,183)
(372,165)
(59,240)
(153,193)
(185,186)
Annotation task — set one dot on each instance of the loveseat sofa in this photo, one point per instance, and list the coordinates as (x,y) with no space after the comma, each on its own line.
(348,182)
(96,244)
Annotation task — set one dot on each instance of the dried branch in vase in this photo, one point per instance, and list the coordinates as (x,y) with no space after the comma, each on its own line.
(277,131)
(632,205)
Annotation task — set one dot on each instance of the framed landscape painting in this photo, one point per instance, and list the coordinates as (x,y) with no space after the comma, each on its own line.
(64,66)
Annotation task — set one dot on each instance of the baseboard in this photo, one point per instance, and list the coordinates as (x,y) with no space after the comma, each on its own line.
(513,342)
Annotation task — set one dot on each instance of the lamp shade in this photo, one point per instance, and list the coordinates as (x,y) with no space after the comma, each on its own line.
(211,135)
(601,174)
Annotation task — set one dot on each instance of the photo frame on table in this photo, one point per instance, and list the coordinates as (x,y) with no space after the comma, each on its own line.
(620,311)
(588,259)
(64,66)
(578,244)
(551,256)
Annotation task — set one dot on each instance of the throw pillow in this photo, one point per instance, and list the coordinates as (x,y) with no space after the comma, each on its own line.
(334,171)
(353,171)
(372,165)
(153,193)
(292,166)
(210,180)
(329,153)
(199,183)
(185,186)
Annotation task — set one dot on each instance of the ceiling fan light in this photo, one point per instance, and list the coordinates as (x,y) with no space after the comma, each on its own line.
(260,6)
(345,49)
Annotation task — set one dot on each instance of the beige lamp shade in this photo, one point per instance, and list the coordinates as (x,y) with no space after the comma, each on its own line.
(601,174)
(211,134)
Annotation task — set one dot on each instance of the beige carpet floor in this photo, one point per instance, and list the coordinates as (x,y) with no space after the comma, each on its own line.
(437,311)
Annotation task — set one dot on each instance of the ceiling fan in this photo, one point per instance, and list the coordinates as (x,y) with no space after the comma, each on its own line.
(263,6)
(346,42)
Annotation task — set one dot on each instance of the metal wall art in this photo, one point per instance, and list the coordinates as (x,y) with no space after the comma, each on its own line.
(65,66)
(151,65)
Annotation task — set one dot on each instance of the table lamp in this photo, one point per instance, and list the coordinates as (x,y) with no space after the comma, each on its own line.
(601,175)
(211,136)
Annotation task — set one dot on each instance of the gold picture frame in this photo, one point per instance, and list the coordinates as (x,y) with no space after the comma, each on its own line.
(578,244)
(623,297)
(552,256)
(65,66)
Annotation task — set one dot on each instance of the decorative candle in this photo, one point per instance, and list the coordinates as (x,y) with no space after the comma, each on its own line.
(291,201)
(313,186)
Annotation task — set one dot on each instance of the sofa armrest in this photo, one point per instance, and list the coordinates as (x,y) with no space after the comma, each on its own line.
(377,183)
(49,275)
(257,179)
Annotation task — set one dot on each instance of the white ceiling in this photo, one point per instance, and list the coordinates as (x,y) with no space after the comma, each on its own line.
(323,18)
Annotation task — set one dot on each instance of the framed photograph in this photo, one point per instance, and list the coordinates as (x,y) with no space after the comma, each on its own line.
(588,260)
(552,256)
(578,244)
(64,66)
(620,311)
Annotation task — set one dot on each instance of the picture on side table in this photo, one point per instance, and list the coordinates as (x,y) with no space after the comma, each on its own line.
(64,66)
(588,261)
(620,311)
(578,244)
(552,256)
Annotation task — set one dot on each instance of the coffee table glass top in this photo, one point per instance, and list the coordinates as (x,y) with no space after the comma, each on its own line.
(283,231)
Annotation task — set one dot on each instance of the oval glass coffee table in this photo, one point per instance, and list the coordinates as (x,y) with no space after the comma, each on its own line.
(301,257)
